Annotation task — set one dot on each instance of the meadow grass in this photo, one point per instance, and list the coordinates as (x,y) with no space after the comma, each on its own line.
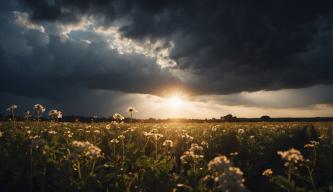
(116,156)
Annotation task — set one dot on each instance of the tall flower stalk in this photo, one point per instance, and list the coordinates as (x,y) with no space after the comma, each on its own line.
(131,110)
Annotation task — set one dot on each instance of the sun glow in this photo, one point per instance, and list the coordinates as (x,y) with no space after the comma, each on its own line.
(175,101)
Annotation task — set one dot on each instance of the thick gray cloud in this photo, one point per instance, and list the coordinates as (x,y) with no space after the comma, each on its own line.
(219,47)
(232,46)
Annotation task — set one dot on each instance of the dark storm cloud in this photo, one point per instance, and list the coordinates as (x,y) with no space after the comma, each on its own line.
(40,65)
(232,46)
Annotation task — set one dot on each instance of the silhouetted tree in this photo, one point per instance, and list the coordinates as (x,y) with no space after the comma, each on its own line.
(265,118)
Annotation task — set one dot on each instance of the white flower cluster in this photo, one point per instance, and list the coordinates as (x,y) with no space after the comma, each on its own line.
(86,149)
(187,137)
(55,114)
(153,134)
(168,144)
(225,175)
(311,144)
(12,108)
(291,157)
(39,108)
(118,117)
(194,154)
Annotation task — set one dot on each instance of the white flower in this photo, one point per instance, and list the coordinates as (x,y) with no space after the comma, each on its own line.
(52,132)
(118,117)
(311,144)
(12,108)
(267,173)
(39,108)
(291,156)
(121,137)
(168,144)
(204,144)
(193,155)
(86,149)
(187,137)
(55,114)
(226,176)
(114,141)
(241,131)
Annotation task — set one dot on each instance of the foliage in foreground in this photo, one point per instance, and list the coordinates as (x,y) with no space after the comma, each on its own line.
(59,156)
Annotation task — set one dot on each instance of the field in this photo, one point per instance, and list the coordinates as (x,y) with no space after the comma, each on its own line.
(110,156)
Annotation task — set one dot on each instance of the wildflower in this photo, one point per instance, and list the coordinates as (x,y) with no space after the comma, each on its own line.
(118,117)
(86,149)
(167,144)
(267,173)
(27,114)
(114,141)
(291,157)
(68,134)
(214,128)
(121,137)
(108,126)
(193,155)
(204,144)
(234,154)
(187,137)
(195,148)
(225,175)
(97,131)
(12,108)
(55,114)
(219,164)
(52,132)
(312,144)
(153,134)
(241,131)
(39,110)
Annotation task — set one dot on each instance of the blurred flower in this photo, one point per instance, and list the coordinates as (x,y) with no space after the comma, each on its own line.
(267,173)
(114,141)
(39,108)
(86,149)
(168,144)
(291,157)
(27,114)
(226,176)
(241,131)
(205,144)
(121,137)
(311,144)
(118,117)
(52,132)
(187,137)
(55,114)
(193,155)
(1,133)
(12,108)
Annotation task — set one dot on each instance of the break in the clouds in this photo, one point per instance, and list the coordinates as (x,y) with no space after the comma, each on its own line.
(234,53)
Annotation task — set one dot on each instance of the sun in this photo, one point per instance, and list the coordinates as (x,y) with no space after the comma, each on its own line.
(175,101)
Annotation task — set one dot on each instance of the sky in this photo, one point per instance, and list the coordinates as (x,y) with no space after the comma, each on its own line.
(168,58)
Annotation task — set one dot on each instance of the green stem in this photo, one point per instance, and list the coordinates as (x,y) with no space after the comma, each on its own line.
(79,169)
